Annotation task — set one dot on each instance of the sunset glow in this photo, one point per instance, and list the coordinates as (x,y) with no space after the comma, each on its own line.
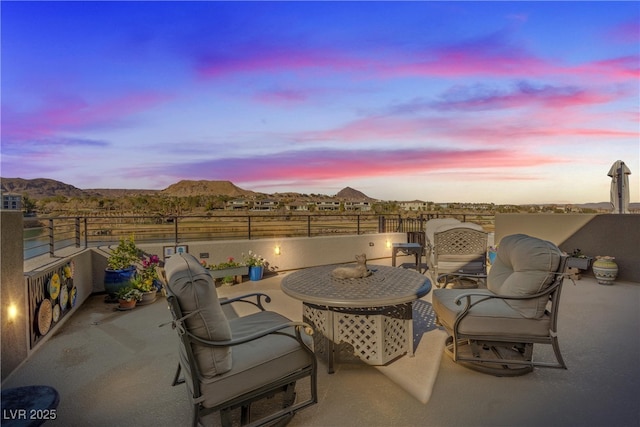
(504,102)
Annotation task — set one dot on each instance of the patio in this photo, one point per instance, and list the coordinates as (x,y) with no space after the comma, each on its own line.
(115,368)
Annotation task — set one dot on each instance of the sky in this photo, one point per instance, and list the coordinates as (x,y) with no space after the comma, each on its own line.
(503,102)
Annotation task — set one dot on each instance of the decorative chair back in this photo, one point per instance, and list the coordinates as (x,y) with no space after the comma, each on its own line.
(460,250)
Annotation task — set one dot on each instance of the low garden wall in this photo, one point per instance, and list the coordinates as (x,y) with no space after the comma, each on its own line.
(595,235)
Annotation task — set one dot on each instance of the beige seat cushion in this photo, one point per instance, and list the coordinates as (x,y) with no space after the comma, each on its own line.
(194,289)
(258,362)
(492,318)
(524,265)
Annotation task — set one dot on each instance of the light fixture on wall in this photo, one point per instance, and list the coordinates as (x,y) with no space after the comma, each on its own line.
(12,312)
(277,250)
(388,244)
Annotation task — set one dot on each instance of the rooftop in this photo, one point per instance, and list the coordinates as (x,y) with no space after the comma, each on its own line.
(115,368)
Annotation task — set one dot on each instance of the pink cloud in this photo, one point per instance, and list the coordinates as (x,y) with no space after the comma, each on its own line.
(494,55)
(542,124)
(283,96)
(260,58)
(523,95)
(322,165)
(74,113)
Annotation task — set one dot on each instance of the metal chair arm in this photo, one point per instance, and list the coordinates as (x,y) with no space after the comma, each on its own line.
(242,298)
(254,336)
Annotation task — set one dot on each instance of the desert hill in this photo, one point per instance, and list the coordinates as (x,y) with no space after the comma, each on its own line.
(349,193)
(206,188)
(40,188)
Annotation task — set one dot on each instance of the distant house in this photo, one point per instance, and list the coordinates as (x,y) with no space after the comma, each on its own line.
(11,202)
(328,205)
(297,206)
(265,205)
(237,204)
(357,206)
(415,205)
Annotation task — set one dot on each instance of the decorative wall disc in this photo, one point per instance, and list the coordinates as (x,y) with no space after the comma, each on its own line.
(64,298)
(54,286)
(72,297)
(45,315)
(56,313)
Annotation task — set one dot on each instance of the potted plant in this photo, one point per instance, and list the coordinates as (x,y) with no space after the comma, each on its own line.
(256,264)
(579,260)
(146,279)
(128,296)
(230,268)
(121,265)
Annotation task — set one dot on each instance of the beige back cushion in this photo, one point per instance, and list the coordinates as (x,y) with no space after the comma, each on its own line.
(524,266)
(194,289)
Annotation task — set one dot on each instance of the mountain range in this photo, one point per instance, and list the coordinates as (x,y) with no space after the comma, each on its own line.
(41,188)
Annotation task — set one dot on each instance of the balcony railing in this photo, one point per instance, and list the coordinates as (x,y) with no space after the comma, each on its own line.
(54,234)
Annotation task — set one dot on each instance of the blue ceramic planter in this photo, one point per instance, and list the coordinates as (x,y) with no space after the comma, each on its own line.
(116,279)
(255,273)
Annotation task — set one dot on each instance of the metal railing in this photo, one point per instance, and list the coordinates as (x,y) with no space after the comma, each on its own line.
(54,234)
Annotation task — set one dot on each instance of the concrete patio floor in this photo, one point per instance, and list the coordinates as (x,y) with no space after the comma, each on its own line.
(115,368)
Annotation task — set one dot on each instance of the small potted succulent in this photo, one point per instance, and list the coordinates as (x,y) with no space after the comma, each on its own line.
(128,296)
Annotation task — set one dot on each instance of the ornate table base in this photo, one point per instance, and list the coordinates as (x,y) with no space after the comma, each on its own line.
(375,335)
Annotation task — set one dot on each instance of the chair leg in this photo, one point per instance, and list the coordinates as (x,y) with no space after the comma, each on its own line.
(245,414)
(225,417)
(176,377)
(196,415)
(556,351)
(289,395)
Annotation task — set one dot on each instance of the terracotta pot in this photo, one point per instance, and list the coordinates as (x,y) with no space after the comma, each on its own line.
(126,305)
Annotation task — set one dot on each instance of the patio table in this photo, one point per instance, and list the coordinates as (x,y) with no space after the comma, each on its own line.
(370,317)
(407,248)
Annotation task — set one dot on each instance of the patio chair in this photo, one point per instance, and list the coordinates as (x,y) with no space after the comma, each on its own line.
(459,255)
(230,363)
(493,330)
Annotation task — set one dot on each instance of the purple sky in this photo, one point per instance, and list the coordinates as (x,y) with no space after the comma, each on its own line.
(505,102)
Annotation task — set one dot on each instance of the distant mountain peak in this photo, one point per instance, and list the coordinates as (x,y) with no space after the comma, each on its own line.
(352,194)
(205,188)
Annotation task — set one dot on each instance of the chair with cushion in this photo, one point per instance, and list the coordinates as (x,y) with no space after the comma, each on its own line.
(459,255)
(493,330)
(230,363)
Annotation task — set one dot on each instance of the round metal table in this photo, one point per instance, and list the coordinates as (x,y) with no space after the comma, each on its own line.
(370,317)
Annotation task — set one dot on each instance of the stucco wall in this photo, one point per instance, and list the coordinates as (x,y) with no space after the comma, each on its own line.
(14,331)
(608,234)
(295,252)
